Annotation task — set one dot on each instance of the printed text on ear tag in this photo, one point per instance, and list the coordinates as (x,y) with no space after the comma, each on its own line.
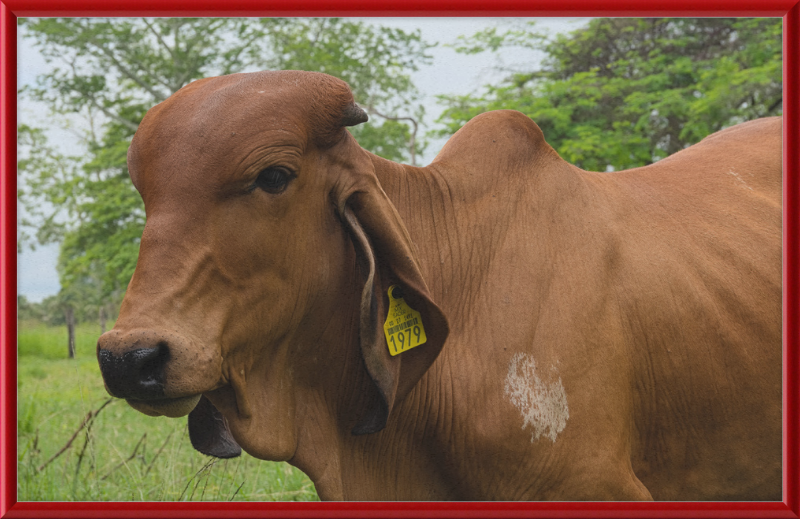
(403,326)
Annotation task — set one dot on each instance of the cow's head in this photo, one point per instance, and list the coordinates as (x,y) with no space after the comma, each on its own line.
(263,268)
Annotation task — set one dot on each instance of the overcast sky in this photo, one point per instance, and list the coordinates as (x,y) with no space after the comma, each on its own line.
(450,73)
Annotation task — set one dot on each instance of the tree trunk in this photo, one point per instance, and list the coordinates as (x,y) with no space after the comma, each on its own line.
(69,316)
(101,314)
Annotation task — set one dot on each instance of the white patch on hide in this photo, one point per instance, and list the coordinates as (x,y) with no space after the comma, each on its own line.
(740,179)
(543,405)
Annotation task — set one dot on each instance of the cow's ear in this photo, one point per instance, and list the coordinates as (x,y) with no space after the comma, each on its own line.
(388,257)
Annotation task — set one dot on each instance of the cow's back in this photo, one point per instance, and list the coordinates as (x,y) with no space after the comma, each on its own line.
(700,283)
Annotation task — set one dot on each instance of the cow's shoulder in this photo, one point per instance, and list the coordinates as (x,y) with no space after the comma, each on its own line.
(501,141)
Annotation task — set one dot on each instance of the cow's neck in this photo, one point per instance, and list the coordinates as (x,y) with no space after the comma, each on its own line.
(448,213)
(348,467)
(415,448)
(344,466)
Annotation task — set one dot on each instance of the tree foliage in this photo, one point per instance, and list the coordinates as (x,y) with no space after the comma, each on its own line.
(111,71)
(624,92)
(122,67)
(27,310)
(88,206)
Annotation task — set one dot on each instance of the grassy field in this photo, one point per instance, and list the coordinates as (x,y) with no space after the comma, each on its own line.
(121,454)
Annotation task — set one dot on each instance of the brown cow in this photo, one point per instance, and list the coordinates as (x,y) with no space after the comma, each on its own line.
(611,336)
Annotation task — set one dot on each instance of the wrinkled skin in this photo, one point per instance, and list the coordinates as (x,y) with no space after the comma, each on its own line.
(591,336)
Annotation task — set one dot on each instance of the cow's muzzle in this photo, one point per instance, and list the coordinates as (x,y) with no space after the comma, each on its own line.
(137,374)
(157,373)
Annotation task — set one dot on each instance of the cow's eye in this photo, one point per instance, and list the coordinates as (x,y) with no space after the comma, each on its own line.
(274,179)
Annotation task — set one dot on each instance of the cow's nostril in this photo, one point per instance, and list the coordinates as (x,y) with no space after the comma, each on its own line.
(152,364)
(135,374)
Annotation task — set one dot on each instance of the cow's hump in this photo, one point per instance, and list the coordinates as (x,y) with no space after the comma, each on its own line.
(500,140)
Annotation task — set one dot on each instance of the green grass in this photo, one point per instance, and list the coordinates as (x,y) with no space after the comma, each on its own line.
(50,342)
(123,455)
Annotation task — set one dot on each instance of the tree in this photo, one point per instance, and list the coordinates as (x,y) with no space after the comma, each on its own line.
(95,216)
(110,71)
(624,92)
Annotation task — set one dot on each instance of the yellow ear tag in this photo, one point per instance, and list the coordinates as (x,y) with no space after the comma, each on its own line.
(403,326)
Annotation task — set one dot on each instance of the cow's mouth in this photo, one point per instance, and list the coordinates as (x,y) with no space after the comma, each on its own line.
(171,407)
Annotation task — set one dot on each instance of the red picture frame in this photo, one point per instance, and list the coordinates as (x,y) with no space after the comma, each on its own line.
(10,10)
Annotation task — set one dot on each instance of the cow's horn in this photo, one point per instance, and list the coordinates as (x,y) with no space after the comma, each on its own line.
(353,115)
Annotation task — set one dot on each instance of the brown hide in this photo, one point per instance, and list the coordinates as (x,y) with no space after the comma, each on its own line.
(591,336)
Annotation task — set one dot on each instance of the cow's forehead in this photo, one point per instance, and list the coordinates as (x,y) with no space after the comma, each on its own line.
(203,117)
(243,102)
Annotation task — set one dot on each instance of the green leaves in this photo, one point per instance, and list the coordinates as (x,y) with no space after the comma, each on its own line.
(625,92)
